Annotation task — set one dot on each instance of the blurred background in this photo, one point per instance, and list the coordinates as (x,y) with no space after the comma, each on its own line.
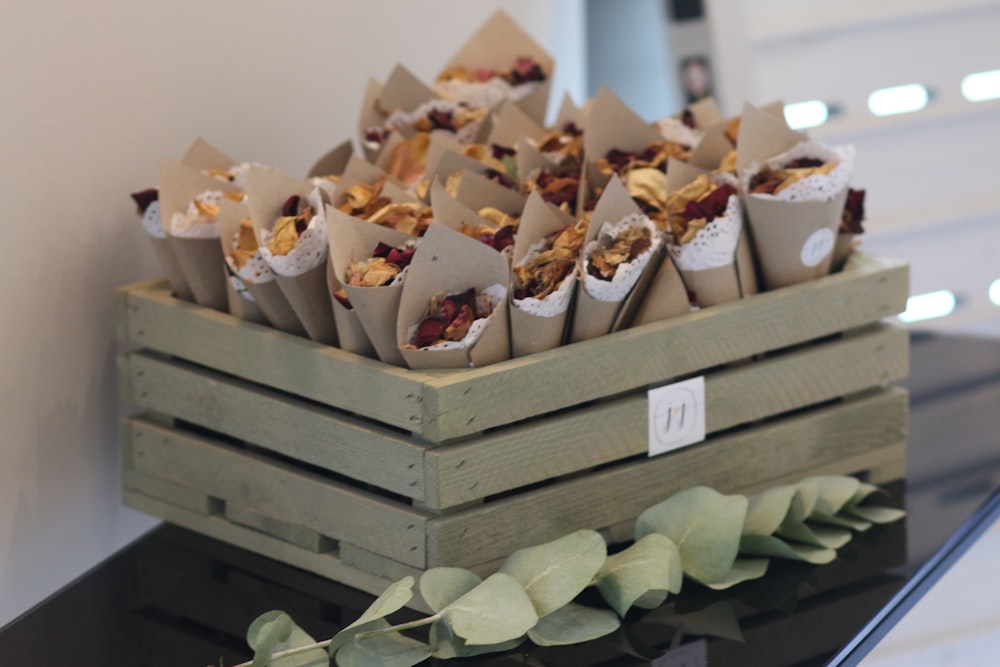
(92,94)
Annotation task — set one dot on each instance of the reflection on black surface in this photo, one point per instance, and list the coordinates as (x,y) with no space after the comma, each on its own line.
(187,600)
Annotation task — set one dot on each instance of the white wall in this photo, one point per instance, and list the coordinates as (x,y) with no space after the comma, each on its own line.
(91,94)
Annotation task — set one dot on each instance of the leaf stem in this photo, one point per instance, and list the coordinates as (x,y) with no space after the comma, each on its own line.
(399,628)
(291,651)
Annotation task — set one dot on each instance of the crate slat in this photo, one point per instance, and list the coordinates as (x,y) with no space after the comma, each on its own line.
(300,536)
(840,437)
(611,431)
(277,421)
(278,490)
(176,494)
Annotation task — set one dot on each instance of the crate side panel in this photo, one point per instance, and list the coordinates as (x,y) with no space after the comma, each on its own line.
(278,490)
(156,320)
(300,536)
(190,499)
(604,432)
(869,289)
(827,435)
(278,422)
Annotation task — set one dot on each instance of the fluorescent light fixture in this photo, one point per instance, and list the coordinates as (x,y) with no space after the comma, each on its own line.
(981,86)
(995,292)
(898,99)
(806,114)
(928,306)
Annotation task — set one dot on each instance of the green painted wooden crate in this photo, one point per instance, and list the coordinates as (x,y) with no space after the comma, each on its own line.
(364,472)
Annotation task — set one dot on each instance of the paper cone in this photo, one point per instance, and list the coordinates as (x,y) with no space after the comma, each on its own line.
(273,303)
(241,301)
(204,156)
(478,192)
(511,124)
(531,330)
(842,249)
(239,305)
(497,44)
(762,135)
(613,124)
(452,213)
(450,263)
(350,334)
(569,112)
(713,147)
(709,277)
(666,296)
(593,316)
(199,259)
(333,162)
(375,308)
(402,91)
(170,265)
(301,274)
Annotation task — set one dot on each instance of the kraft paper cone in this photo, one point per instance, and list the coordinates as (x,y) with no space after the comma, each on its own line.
(478,192)
(497,44)
(369,117)
(201,263)
(731,272)
(592,316)
(530,331)
(375,308)
(713,147)
(203,266)
(613,124)
(350,334)
(240,306)
(762,135)
(334,162)
(447,262)
(203,155)
(666,296)
(530,160)
(359,170)
(452,213)
(842,249)
(273,303)
(402,91)
(569,112)
(170,265)
(304,280)
(511,124)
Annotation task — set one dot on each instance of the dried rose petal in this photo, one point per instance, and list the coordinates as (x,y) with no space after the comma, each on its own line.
(442,120)
(144,198)
(711,206)
(452,304)
(504,237)
(572,128)
(854,212)
(341,297)
(688,119)
(290,207)
(401,257)
(500,178)
(804,163)
(460,324)
(500,152)
(429,331)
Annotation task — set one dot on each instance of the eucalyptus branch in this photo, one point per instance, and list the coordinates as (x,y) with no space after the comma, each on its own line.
(291,651)
(420,622)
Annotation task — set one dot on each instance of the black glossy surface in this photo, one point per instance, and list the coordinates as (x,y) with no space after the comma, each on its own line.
(176,598)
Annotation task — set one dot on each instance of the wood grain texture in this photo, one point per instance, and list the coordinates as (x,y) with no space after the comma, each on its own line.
(869,289)
(300,536)
(158,321)
(551,447)
(843,436)
(182,496)
(277,421)
(324,564)
(279,490)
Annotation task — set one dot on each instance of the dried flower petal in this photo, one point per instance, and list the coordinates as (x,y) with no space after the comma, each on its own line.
(854,212)
(144,198)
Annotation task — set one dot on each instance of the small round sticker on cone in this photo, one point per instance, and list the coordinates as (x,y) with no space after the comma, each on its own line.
(817,247)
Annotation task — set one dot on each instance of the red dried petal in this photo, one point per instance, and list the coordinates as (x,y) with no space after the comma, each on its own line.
(499,177)
(382,250)
(500,152)
(301,225)
(429,331)
(804,163)
(290,207)
(460,325)
(504,237)
(451,305)
(572,129)
(441,119)
(688,119)
(854,212)
(401,257)
(712,206)
(341,297)
(144,198)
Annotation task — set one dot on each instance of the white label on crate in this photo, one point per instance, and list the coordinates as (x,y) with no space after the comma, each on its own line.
(817,247)
(676,415)
(694,654)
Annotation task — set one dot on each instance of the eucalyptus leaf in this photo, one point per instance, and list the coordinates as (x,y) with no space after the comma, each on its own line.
(388,650)
(446,644)
(652,564)
(842,520)
(554,573)
(875,514)
(826,537)
(495,611)
(265,633)
(767,510)
(651,600)
(706,527)
(864,491)
(773,547)
(316,657)
(743,569)
(440,586)
(391,600)
(573,624)
(834,491)
(804,502)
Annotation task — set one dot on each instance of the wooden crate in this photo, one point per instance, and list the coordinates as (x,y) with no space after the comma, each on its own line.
(365,472)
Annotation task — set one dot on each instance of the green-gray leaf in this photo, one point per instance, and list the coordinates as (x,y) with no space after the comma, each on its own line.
(554,573)
(440,586)
(835,491)
(388,650)
(841,520)
(767,509)
(806,495)
(826,537)
(743,569)
(651,564)
(265,633)
(771,546)
(495,611)
(573,624)
(316,657)
(446,644)
(704,524)
(391,600)
(875,514)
